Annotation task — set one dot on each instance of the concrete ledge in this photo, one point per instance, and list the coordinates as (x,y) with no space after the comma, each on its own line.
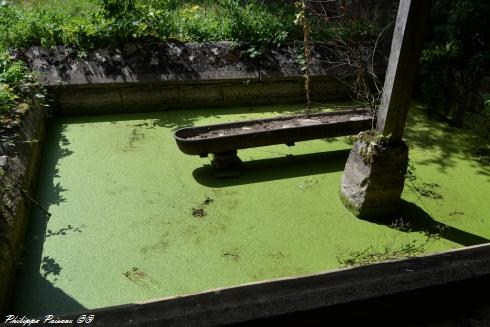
(163,76)
(368,286)
(19,165)
(106,99)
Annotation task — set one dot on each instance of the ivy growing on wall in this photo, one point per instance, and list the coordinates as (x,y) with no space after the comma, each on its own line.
(456,56)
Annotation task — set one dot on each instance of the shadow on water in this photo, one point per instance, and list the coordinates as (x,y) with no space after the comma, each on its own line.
(446,143)
(35,290)
(416,219)
(264,170)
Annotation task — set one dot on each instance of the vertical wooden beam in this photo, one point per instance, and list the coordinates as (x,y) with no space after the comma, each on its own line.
(413,16)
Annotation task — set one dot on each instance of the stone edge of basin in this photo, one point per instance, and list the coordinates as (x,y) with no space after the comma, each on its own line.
(433,274)
(162,76)
(19,163)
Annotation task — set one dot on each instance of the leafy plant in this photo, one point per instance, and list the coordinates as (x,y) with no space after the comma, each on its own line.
(91,23)
(7,97)
(456,56)
(202,22)
(12,72)
(17,84)
(372,144)
(134,20)
(258,26)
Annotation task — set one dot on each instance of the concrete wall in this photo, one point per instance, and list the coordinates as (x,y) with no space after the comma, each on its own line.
(19,161)
(162,76)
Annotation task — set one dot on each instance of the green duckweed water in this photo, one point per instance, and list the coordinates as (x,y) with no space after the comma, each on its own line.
(122,199)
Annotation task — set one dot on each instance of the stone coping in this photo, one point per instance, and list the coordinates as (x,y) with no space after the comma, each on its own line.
(172,63)
(167,76)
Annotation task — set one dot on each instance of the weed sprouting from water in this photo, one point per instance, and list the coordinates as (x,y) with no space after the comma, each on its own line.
(426,190)
(373,254)
(393,250)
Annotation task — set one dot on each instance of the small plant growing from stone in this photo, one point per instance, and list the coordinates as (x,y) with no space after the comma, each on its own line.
(372,144)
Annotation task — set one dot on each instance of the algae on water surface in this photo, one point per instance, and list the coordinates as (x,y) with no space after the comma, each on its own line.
(134,219)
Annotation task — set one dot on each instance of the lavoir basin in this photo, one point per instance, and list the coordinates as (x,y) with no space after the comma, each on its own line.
(134,219)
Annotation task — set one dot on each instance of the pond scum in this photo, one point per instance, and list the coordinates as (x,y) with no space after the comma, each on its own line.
(134,219)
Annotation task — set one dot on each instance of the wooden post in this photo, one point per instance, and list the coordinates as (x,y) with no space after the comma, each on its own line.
(372,189)
(413,16)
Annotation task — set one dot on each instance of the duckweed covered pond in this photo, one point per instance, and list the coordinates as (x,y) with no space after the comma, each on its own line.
(133,219)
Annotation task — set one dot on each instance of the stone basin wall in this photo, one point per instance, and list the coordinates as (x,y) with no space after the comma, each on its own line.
(163,76)
(19,162)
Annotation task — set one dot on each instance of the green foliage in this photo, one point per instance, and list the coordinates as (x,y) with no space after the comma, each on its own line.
(118,8)
(373,143)
(259,26)
(7,97)
(47,23)
(91,23)
(458,53)
(487,103)
(129,20)
(207,22)
(12,72)
(16,83)
(12,77)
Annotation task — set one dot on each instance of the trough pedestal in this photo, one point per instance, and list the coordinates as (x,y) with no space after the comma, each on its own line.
(372,188)
(226,164)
